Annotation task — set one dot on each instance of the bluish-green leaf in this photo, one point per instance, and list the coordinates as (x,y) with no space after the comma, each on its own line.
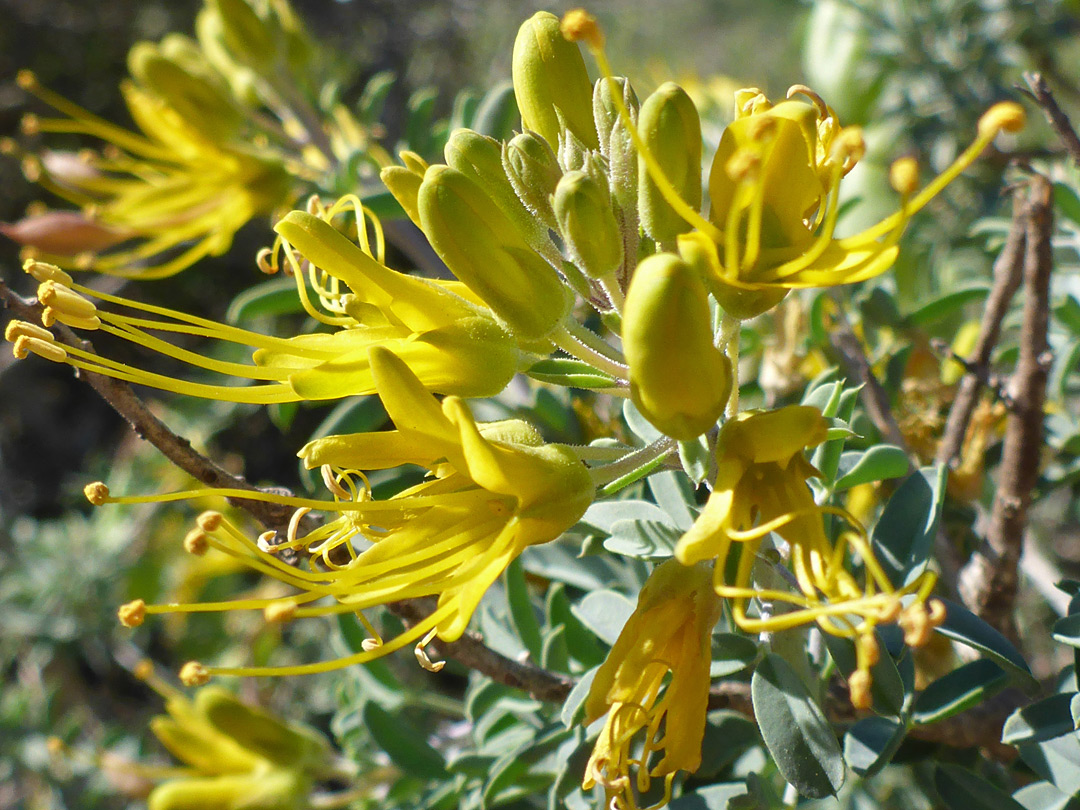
(404,743)
(497,113)
(275,297)
(638,424)
(946,305)
(879,463)
(574,704)
(521,609)
(695,458)
(964,626)
(1057,761)
(904,534)
(961,689)
(731,653)
(1044,720)
(795,730)
(1044,796)
(605,613)
(871,743)
(886,686)
(1067,630)
(675,496)
(1066,202)
(714,797)
(643,539)
(960,789)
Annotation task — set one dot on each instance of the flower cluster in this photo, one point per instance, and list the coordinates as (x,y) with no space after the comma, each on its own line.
(596,205)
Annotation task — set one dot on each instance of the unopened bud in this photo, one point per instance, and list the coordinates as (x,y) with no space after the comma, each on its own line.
(194,674)
(485,251)
(61,233)
(132,614)
(587,224)
(670,126)
(260,789)
(606,109)
(679,380)
(97,493)
(549,73)
(533,171)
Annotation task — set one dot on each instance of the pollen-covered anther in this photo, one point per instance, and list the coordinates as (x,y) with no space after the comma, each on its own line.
(97,493)
(369,644)
(8,146)
(210,521)
(144,670)
(904,175)
(66,301)
(850,145)
(743,165)
(30,124)
(917,623)
(859,687)
(132,614)
(294,523)
(194,674)
(422,657)
(26,79)
(891,611)
(331,482)
(43,271)
(196,542)
(869,651)
(818,102)
(17,329)
(266,542)
(937,612)
(264,260)
(280,612)
(579,25)
(1006,115)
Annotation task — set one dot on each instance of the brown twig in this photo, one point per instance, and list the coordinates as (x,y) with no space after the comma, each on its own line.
(873,395)
(1054,114)
(988,583)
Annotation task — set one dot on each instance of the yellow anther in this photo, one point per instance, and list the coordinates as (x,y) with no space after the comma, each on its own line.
(132,614)
(369,644)
(264,260)
(30,124)
(17,329)
(66,301)
(50,350)
(266,542)
(196,542)
(422,656)
(1006,115)
(26,79)
(859,686)
(581,26)
(210,521)
(97,493)
(850,144)
(743,165)
(144,670)
(8,146)
(194,674)
(916,623)
(294,522)
(280,612)
(937,612)
(42,272)
(314,205)
(904,175)
(55,746)
(85,260)
(819,103)
(332,484)
(869,653)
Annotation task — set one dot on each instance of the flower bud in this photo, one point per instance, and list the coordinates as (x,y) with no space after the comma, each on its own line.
(62,233)
(549,74)
(669,125)
(405,186)
(679,380)
(245,34)
(275,789)
(533,171)
(484,250)
(606,111)
(587,224)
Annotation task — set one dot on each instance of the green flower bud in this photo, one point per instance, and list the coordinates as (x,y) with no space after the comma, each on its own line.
(669,124)
(605,111)
(533,171)
(549,74)
(263,734)
(679,380)
(405,186)
(200,101)
(484,249)
(272,789)
(588,225)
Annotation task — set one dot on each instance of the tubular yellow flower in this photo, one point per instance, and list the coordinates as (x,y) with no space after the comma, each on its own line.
(495,491)
(449,338)
(668,632)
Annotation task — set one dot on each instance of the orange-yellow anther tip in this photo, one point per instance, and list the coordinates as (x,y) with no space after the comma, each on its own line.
(850,144)
(97,493)
(859,686)
(132,614)
(1006,115)
(904,175)
(581,26)
(194,674)
(144,670)
(210,521)
(26,79)
(280,612)
(196,542)
(30,124)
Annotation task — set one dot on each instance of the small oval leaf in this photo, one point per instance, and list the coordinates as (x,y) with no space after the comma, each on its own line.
(961,689)
(960,789)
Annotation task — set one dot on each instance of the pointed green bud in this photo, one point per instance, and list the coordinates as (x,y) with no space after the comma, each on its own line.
(294,747)
(587,224)
(533,171)
(605,110)
(484,249)
(549,74)
(204,104)
(670,126)
(272,789)
(572,152)
(679,380)
(405,186)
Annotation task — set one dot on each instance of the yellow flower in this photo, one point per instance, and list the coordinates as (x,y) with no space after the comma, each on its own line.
(668,632)
(449,339)
(495,490)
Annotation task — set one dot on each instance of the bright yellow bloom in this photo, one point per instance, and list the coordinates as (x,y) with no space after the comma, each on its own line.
(668,632)
(450,340)
(495,490)
(761,488)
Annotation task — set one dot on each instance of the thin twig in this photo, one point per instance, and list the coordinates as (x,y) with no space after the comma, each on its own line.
(1054,114)
(988,583)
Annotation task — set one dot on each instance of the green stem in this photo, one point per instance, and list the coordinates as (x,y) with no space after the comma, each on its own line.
(730,328)
(631,467)
(582,343)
